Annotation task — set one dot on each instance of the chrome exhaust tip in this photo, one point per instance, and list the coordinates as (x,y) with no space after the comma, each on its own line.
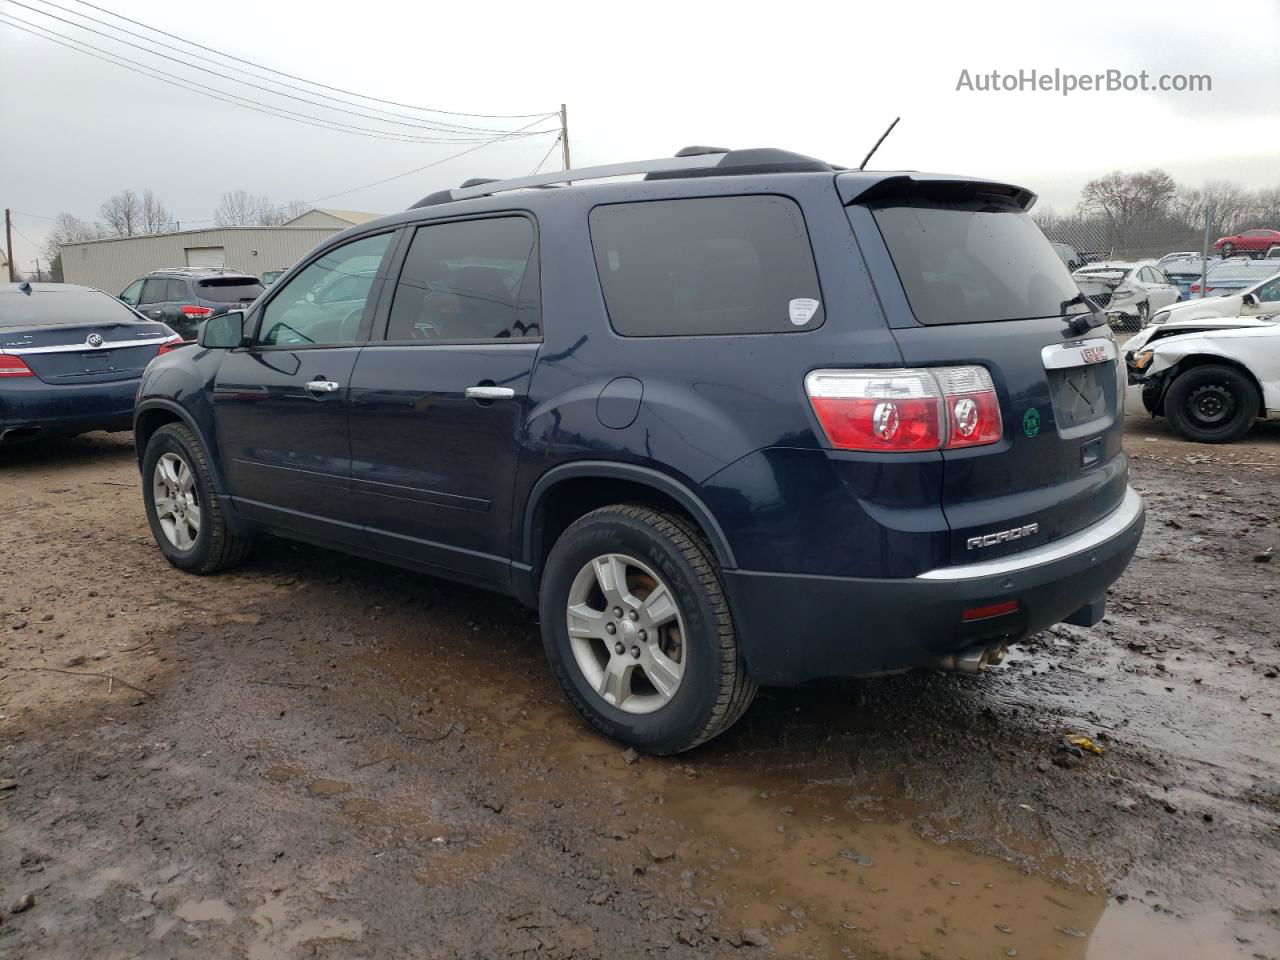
(973,659)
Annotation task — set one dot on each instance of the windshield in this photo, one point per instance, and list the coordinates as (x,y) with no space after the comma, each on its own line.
(230,289)
(974,261)
(50,307)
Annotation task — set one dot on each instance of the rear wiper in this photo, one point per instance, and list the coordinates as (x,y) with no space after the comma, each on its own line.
(1082,324)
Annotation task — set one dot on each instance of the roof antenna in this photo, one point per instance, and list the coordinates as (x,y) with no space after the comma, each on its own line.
(863,165)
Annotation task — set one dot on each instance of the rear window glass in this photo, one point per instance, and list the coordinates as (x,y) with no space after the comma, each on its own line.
(974,261)
(63,306)
(708,266)
(1242,271)
(229,289)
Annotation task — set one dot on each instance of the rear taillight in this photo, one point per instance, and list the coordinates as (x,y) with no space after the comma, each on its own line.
(899,411)
(172,343)
(11,366)
(197,312)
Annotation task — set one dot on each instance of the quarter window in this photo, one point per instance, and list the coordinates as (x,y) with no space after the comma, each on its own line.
(706,266)
(327,301)
(468,280)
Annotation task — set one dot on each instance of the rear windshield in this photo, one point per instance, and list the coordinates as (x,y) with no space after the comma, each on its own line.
(974,261)
(706,266)
(229,289)
(42,307)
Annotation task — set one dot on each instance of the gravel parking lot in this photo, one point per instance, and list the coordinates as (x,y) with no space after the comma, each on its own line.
(320,756)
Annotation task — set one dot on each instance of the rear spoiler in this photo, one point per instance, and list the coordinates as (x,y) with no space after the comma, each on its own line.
(865,188)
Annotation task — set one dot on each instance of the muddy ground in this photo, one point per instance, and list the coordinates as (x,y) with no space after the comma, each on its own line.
(315,756)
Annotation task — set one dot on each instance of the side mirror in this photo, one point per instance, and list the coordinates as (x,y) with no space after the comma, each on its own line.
(223,332)
(1250,299)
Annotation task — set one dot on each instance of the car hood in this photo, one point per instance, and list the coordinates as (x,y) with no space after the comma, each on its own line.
(1228,305)
(1183,326)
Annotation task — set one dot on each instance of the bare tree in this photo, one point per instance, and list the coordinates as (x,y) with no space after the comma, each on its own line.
(67,228)
(240,208)
(154,216)
(1126,199)
(1266,210)
(273,216)
(122,214)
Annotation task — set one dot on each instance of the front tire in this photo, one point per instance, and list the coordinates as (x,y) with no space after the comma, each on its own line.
(1212,404)
(182,507)
(1228,250)
(1144,315)
(638,631)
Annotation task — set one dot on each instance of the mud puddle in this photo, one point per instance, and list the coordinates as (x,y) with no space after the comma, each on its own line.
(824,864)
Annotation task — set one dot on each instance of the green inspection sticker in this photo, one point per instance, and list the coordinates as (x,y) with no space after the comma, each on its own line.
(1031,422)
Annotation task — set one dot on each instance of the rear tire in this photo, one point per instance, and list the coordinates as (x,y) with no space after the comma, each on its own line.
(1228,250)
(1212,404)
(183,510)
(700,686)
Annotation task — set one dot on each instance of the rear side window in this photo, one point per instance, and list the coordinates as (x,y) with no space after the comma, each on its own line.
(229,289)
(708,266)
(177,290)
(974,261)
(155,290)
(469,280)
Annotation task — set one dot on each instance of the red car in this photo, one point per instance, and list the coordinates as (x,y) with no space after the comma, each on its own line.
(1253,243)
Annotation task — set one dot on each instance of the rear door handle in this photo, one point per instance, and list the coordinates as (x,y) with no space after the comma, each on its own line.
(490,393)
(323,386)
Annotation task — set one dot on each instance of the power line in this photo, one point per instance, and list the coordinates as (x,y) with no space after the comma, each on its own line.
(554,143)
(454,127)
(257,106)
(314,83)
(464,133)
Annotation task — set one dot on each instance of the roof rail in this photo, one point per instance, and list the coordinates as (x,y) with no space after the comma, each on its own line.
(661,165)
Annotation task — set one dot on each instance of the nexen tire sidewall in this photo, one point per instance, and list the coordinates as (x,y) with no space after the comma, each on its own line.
(679,721)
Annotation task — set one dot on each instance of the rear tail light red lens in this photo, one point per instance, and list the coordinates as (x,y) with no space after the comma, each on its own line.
(190,311)
(170,344)
(11,366)
(900,411)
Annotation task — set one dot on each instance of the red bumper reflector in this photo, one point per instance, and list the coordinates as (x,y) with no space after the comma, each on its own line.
(990,610)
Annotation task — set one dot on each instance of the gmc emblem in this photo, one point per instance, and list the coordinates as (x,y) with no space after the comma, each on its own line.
(1003,536)
(1093,354)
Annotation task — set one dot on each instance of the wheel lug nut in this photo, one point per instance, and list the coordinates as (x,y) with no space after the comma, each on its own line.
(633,615)
(610,628)
(642,636)
(618,648)
(617,612)
(635,652)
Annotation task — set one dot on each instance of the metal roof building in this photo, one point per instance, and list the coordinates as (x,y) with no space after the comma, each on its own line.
(111,265)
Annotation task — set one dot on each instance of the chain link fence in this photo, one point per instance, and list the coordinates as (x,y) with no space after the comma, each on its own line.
(1097,239)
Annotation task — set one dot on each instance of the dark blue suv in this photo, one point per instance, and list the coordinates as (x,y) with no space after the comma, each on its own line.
(751,419)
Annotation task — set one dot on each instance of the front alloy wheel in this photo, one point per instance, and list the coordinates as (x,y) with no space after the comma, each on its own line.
(177,501)
(626,633)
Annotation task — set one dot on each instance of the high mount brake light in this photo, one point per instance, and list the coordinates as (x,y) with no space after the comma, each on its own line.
(11,366)
(901,411)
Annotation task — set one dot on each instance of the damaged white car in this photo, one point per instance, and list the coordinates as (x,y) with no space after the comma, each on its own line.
(1213,377)
(1129,293)
(1262,299)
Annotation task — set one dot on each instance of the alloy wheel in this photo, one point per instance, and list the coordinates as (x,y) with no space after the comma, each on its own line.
(626,633)
(177,503)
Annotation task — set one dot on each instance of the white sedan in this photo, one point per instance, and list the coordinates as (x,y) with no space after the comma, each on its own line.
(1129,292)
(1213,377)
(1260,300)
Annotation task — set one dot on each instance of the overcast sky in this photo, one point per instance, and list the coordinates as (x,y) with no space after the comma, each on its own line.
(641,80)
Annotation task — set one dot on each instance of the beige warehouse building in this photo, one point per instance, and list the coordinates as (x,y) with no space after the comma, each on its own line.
(111,265)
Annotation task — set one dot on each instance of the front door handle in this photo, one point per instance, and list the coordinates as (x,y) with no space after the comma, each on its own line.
(490,393)
(323,386)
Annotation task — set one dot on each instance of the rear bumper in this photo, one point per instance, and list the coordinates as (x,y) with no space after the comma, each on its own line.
(797,627)
(31,408)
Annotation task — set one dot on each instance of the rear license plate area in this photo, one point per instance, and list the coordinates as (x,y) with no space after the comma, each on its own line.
(1079,394)
(95,362)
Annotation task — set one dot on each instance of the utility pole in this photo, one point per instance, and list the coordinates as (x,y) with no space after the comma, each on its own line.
(8,244)
(564,135)
(39,275)
(1204,253)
